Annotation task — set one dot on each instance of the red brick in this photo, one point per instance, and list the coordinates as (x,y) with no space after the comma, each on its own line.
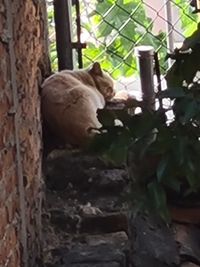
(3,195)
(1,139)
(7,132)
(3,221)
(10,181)
(11,208)
(12,261)
(2,253)
(7,157)
(9,240)
(1,171)
(4,106)
(27,26)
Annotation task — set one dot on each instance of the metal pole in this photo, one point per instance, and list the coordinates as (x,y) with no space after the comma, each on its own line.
(78,22)
(169,28)
(145,56)
(63,34)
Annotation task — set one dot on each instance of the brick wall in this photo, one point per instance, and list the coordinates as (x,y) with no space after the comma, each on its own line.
(23,63)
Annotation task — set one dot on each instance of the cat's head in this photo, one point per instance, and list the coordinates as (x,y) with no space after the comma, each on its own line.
(104,83)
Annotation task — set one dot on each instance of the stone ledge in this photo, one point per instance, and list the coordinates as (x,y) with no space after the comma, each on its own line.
(185,215)
(102,255)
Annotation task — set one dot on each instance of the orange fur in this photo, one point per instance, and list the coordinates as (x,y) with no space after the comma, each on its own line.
(70,100)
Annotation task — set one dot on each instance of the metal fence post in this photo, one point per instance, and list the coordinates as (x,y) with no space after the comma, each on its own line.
(145,56)
(169,28)
(63,34)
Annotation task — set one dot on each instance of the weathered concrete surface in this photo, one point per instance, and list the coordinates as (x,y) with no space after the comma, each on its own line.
(153,243)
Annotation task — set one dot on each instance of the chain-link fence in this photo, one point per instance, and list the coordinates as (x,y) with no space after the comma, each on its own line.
(113,28)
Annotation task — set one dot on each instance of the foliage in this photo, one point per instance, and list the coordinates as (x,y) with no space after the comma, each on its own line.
(187,61)
(113,28)
(52,39)
(162,154)
(119,26)
(187,19)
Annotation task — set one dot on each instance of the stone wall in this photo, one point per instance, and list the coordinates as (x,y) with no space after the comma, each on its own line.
(23,63)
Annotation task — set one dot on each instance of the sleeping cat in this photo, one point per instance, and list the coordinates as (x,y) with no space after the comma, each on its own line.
(70,100)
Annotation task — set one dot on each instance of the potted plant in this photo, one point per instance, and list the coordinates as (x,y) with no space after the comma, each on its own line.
(162,153)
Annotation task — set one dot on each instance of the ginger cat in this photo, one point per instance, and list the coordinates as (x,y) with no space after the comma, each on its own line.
(70,100)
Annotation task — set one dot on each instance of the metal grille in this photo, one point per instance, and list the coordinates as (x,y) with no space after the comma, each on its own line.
(113,28)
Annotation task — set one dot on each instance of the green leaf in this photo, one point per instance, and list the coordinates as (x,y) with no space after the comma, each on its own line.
(116,154)
(127,1)
(173,183)
(117,151)
(145,124)
(193,39)
(189,30)
(157,196)
(129,30)
(185,67)
(192,173)
(181,149)
(173,92)
(100,143)
(106,117)
(162,167)
(105,29)
(123,116)
(190,111)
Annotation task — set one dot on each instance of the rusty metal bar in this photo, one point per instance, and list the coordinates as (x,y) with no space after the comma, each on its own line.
(63,34)
(169,28)
(78,45)
(78,23)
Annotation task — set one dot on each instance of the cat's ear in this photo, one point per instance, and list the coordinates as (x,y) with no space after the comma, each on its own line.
(96,69)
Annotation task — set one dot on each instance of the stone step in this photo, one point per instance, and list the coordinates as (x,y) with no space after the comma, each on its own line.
(105,223)
(102,255)
(189,264)
(97,223)
(118,239)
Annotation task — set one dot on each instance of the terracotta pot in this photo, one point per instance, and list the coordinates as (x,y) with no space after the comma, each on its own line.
(185,214)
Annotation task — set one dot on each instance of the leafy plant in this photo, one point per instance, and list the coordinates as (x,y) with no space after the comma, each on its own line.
(187,18)
(117,26)
(187,61)
(52,37)
(113,28)
(162,153)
